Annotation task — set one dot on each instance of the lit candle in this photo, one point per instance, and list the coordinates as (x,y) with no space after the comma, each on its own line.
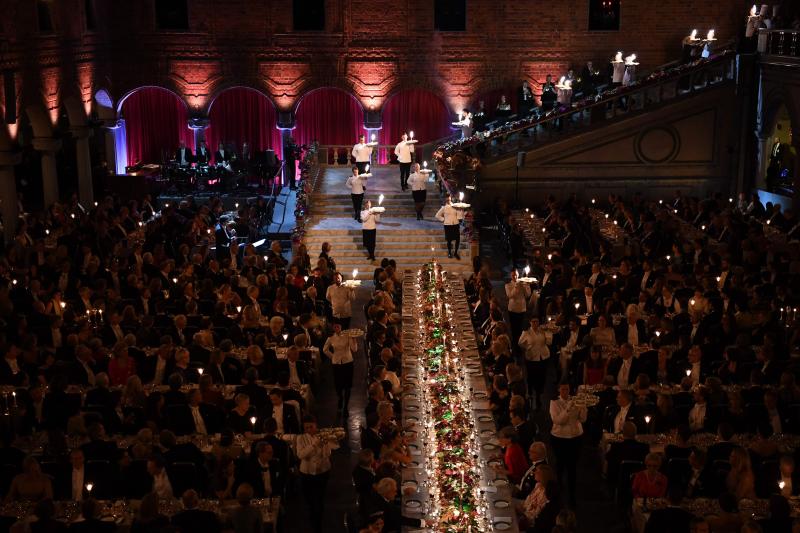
(355,273)
(200,371)
(411,135)
(72,215)
(285,337)
(89,487)
(62,304)
(14,397)
(647,419)
(781,484)
(424,164)
(95,204)
(593,201)
(253,421)
(693,36)
(380,199)
(237,205)
(710,36)
(47,232)
(692,302)
(703,227)
(577,306)
(372,137)
(527,270)
(658,333)
(606,215)
(238,308)
(688,372)
(660,202)
(305,278)
(549,257)
(668,257)
(461,196)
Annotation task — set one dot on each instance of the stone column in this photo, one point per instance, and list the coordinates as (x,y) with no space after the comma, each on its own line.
(48,147)
(8,193)
(796,180)
(198,126)
(84,164)
(762,160)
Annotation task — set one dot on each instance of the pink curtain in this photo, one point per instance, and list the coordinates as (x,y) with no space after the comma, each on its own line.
(155,123)
(331,116)
(415,110)
(241,115)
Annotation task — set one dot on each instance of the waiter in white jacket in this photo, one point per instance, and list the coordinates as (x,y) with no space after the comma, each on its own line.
(362,153)
(451,218)
(419,189)
(404,151)
(369,229)
(356,185)
(517,293)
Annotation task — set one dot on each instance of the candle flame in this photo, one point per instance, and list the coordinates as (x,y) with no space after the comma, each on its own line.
(710,36)
(253,420)
(753,11)
(411,135)
(425,164)
(461,196)
(694,35)
(355,273)
(366,169)
(89,487)
(380,199)
(527,270)
(372,137)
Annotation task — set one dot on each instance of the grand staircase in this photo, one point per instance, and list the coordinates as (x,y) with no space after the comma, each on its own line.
(400,235)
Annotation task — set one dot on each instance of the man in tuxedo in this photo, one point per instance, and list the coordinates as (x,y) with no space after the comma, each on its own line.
(82,370)
(625,411)
(628,449)
(280,450)
(112,332)
(298,371)
(181,452)
(384,500)
(537,453)
(191,416)
(258,395)
(721,450)
(587,305)
(285,415)
(203,155)
(631,329)
(526,430)
(90,510)
(183,155)
(158,368)
(670,519)
(10,366)
(699,480)
(192,519)
(370,435)
(98,448)
(626,367)
(364,476)
(265,472)
(222,157)
(70,482)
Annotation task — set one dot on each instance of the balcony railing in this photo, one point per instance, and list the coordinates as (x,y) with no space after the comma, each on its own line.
(656,89)
(779,42)
(383,154)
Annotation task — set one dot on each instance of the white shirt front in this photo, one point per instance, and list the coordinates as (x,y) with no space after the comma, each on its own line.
(369,220)
(619,421)
(77,484)
(341,299)
(340,348)
(567,418)
(355,184)
(199,423)
(161,485)
(403,151)
(265,476)
(418,181)
(624,373)
(277,414)
(697,416)
(518,294)
(362,153)
(449,215)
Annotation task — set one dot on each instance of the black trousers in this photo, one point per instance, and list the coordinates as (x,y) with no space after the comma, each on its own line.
(343,382)
(567,453)
(314,491)
(452,233)
(290,168)
(537,376)
(515,320)
(419,200)
(369,240)
(362,166)
(405,172)
(358,199)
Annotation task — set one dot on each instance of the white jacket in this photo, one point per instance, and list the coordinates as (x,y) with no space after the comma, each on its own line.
(355,184)
(449,215)
(369,220)
(403,151)
(362,153)
(418,181)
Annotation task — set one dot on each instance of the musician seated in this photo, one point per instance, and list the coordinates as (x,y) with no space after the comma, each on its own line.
(183,155)
(222,158)
(503,108)
(203,155)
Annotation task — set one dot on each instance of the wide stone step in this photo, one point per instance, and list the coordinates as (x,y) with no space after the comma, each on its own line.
(381,232)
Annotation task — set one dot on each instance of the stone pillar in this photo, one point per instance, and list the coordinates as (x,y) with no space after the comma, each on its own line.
(84,164)
(8,193)
(762,160)
(116,145)
(48,148)
(796,181)
(198,127)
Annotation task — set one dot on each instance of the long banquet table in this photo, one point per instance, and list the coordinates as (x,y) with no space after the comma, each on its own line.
(451,481)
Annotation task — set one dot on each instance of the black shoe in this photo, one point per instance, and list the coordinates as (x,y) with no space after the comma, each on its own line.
(458,256)
(449,254)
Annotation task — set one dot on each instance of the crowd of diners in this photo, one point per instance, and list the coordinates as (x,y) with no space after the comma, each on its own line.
(684,335)
(146,355)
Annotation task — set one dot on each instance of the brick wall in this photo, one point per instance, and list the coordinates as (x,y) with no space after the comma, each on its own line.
(371,48)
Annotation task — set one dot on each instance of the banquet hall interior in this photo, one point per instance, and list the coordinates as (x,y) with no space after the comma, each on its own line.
(374,266)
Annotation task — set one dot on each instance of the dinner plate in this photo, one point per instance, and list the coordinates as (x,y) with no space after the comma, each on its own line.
(501,504)
(413,504)
(412,408)
(494,462)
(485,418)
(500,482)
(489,447)
(502,526)
(410,484)
(487,433)
(480,396)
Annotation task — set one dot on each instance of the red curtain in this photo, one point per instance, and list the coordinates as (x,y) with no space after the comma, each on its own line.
(415,110)
(155,123)
(330,116)
(241,115)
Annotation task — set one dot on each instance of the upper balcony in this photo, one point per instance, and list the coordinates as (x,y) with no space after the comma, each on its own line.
(781,47)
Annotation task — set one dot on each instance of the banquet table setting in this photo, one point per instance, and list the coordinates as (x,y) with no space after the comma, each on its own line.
(786,443)
(122,512)
(445,411)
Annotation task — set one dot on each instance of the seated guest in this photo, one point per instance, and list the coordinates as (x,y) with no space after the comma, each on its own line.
(364,475)
(192,519)
(670,519)
(650,483)
(740,481)
(628,449)
(245,518)
(665,418)
(239,417)
(626,367)
(526,430)
(31,485)
(514,460)
(623,412)
(721,450)
(223,481)
(729,520)
(258,395)
(533,505)
(537,453)
(384,500)
(700,416)
(700,480)
(162,487)
(285,415)
(90,523)
(780,515)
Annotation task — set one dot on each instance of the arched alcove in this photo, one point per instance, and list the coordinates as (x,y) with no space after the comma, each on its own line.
(242,114)
(330,116)
(417,110)
(781,154)
(156,120)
